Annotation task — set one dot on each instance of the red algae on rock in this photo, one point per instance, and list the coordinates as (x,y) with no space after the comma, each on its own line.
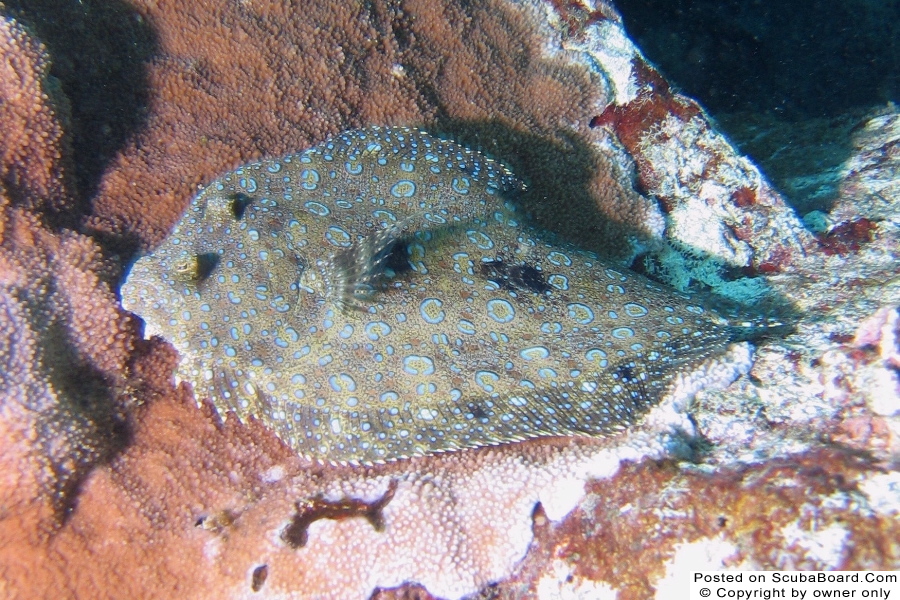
(801,512)
(721,213)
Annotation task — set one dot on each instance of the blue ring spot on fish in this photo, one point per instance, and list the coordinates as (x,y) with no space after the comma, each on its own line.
(403,189)
(377,330)
(623,333)
(534,353)
(338,236)
(249,184)
(580,313)
(559,259)
(560,282)
(501,310)
(635,310)
(317,208)
(431,312)
(460,185)
(486,380)
(554,327)
(480,239)
(418,365)
(309,179)
(342,382)
(597,356)
(466,327)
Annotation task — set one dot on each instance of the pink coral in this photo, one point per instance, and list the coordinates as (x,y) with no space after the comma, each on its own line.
(66,340)
(59,361)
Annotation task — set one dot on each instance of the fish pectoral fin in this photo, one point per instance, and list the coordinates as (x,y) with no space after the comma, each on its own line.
(352,274)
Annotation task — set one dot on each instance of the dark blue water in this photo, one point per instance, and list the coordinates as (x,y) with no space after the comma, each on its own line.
(801,58)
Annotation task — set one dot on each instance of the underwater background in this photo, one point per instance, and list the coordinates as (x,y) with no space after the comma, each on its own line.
(744,154)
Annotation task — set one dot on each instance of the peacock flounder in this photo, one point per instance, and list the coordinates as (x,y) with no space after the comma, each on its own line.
(377,297)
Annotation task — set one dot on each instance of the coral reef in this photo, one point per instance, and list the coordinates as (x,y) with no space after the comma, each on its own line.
(784,514)
(114,482)
(35,161)
(380,64)
(65,341)
(62,365)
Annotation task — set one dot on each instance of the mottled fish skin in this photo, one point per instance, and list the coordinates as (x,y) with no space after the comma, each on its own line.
(377,297)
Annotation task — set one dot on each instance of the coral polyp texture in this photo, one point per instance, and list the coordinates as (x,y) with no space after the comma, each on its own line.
(58,413)
(114,483)
(376,298)
(492,75)
(35,163)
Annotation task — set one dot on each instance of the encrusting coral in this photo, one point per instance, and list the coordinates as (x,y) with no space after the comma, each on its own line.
(115,484)
(35,163)
(477,73)
(66,341)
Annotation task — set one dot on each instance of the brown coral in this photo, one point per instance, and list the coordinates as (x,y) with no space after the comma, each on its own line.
(475,71)
(196,508)
(34,153)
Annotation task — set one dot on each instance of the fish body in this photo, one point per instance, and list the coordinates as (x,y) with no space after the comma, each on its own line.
(378,297)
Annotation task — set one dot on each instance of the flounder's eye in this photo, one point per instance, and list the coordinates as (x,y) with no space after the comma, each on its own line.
(228,208)
(196,267)
(238,203)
